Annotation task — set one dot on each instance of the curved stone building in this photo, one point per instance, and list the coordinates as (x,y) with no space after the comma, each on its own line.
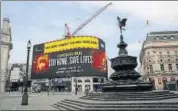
(159,58)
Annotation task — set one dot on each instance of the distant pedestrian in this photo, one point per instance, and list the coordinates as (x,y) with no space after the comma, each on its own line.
(8,89)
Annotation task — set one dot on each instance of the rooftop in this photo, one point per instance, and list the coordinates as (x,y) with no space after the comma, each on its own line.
(164,32)
(162,35)
(6,19)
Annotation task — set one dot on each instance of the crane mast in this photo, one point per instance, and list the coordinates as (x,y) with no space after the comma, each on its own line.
(67,31)
(90,19)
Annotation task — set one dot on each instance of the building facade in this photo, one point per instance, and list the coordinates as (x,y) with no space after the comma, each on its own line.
(159,58)
(6,46)
(17,74)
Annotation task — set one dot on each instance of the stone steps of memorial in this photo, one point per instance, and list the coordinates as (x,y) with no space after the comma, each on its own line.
(78,105)
(132,93)
(144,96)
(129,98)
(130,105)
(63,106)
(88,102)
(59,107)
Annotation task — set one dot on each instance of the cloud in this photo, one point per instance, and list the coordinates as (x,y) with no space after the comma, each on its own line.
(19,52)
(159,12)
(136,46)
(20,37)
(99,29)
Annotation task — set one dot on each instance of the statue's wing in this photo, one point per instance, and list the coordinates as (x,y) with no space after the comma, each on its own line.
(119,19)
(123,22)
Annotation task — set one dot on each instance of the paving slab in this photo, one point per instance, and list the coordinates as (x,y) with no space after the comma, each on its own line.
(37,101)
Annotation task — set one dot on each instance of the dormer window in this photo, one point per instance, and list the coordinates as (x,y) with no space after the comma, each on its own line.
(172,37)
(157,38)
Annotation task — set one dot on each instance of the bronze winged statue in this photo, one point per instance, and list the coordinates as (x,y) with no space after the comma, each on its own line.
(121,23)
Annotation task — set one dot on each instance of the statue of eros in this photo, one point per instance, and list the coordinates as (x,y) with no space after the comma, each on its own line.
(121,23)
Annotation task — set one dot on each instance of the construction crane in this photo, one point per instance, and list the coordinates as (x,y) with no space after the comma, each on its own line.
(67,31)
(88,20)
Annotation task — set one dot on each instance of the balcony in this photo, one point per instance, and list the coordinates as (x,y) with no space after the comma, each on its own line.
(174,72)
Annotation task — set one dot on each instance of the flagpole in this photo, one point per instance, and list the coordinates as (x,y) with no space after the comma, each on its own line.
(147,28)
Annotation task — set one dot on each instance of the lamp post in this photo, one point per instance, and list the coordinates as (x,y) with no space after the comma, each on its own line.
(76,83)
(68,76)
(25,93)
(23,79)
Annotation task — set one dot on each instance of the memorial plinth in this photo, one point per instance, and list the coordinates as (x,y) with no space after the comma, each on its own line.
(125,78)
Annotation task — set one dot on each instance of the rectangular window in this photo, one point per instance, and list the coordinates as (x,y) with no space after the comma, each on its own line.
(170,67)
(177,66)
(95,80)
(151,68)
(162,67)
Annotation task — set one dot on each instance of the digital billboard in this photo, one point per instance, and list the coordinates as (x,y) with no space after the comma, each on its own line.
(77,56)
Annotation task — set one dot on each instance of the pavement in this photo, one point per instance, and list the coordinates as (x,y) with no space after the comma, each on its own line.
(37,101)
(43,101)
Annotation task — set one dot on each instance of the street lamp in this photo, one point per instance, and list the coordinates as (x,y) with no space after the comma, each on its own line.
(23,79)
(76,85)
(68,85)
(25,95)
(76,88)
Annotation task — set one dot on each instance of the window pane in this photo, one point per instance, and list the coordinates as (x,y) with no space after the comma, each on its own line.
(151,68)
(95,79)
(170,67)
(162,67)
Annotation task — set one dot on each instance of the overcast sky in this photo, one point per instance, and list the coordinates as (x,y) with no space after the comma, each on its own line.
(42,21)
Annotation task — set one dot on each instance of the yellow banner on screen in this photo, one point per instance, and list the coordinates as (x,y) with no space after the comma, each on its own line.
(72,43)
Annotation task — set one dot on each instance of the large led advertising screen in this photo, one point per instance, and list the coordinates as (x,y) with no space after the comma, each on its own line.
(77,56)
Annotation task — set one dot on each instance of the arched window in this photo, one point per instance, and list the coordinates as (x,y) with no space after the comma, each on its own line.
(87,80)
(79,80)
(159,80)
(164,79)
(172,78)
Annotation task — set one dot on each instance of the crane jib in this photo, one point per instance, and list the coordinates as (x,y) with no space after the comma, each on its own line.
(90,19)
